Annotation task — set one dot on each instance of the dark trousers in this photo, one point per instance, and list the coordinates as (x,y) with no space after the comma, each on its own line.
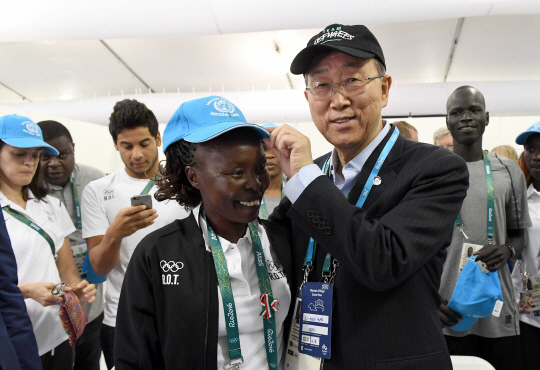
(88,348)
(530,346)
(107,344)
(60,358)
(502,353)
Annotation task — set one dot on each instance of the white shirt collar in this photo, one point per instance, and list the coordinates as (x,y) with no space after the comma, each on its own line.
(358,162)
(531,191)
(225,244)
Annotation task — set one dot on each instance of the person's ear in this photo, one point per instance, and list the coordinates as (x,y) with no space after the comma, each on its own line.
(158,139)
(487,118)
(192,177)
(385,86)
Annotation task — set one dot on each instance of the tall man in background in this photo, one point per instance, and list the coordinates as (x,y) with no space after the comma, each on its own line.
(111,226)
(495,339)
(383,208)
(66,181)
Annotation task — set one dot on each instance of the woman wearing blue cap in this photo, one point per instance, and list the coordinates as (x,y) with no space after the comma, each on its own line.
(38,226)
(526,274)
(209,291)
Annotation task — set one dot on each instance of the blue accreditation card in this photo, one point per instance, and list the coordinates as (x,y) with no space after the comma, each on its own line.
(316,320)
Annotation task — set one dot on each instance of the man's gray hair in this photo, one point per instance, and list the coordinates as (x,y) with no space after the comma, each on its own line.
(439,134)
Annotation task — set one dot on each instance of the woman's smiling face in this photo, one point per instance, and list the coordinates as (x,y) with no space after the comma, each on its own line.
(230,172)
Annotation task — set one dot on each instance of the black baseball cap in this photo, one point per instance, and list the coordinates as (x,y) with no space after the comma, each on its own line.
(356,41)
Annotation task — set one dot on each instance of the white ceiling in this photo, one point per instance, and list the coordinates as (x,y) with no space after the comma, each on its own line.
(492,49)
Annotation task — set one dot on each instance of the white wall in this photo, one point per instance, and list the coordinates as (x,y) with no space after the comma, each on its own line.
(94,145)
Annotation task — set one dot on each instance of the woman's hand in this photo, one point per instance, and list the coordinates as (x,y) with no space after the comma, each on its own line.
(85,291)
(40,292)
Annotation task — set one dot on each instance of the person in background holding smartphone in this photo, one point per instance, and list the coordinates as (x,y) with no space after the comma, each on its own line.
(111,226)
(38,226)
(66,181)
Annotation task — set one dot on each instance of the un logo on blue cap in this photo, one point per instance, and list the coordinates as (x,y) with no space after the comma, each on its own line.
(224,106)
(31,128)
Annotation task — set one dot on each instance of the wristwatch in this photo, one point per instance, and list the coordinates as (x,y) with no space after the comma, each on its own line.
(512,250)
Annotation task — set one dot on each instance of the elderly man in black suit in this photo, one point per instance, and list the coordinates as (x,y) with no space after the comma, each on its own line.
(381,209)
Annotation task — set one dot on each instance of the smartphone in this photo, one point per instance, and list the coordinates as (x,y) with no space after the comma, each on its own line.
(145,199)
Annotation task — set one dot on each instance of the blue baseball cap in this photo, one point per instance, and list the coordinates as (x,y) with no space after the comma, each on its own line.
(22,132)
(475,294)
(204,119)
(534,129)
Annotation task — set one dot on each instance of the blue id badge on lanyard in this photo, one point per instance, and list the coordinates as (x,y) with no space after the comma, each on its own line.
(316,320)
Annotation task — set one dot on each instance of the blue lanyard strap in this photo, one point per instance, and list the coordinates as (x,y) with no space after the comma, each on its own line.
(308,261)
(490,202)
(269,304)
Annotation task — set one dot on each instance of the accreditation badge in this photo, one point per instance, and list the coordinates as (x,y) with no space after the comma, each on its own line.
(316,320)
(535,294)
(294,360)
(79,251)
(466,252)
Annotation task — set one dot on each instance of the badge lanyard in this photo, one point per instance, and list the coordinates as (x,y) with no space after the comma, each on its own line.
(32,225)
(270,305)
(148,186)
(490,203)
(312,247)
(264,210)
(76,201)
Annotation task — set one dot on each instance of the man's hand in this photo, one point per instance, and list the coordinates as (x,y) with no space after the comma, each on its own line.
(104,250)
(291,148)
(494,256)
(448,316)
(40,292)
(131,219)
(85,291)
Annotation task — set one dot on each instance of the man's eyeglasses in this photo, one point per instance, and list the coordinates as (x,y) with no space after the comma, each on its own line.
(353,86)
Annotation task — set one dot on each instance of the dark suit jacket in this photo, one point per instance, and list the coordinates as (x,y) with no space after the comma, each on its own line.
(18,347)
(391,254)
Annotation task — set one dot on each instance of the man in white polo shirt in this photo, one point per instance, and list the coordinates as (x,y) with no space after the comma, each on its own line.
(111,226)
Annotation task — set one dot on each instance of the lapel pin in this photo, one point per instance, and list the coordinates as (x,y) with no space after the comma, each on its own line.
(377,181)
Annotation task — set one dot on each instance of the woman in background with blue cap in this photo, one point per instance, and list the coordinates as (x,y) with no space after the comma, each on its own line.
(38,226)
(209,291)
(527,269)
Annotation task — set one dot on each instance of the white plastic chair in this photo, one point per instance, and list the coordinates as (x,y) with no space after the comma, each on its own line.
(470,363)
